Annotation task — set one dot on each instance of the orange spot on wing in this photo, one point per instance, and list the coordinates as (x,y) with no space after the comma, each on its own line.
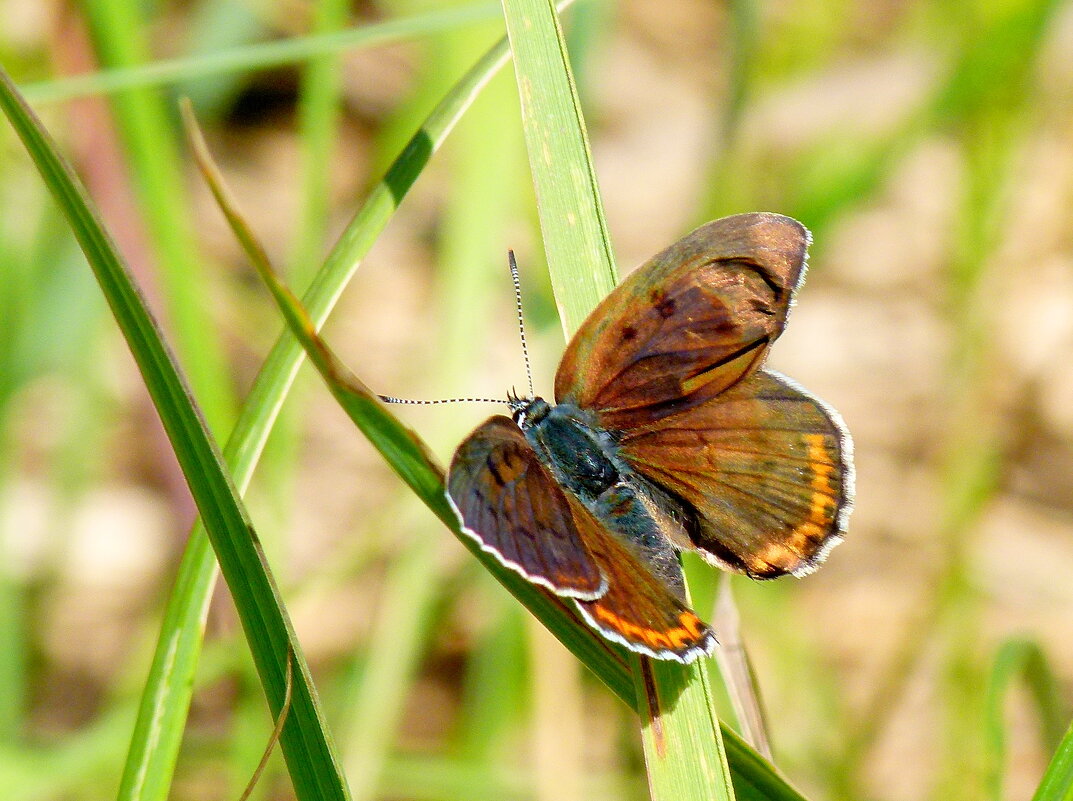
(691,623)
(801,541)
(673,639)
(822,503)
(659,639)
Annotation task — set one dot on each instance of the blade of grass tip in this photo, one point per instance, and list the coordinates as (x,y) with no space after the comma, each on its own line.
(276,732)
(684,752)
(1025,660)
(405,452)
(260,56)
(1057,783)
(409,456)
(306,746)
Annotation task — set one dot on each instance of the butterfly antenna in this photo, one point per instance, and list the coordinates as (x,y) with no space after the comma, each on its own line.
(437,401)
(521,318)
(512,400)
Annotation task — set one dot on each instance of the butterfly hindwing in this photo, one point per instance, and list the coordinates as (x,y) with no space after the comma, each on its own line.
(688,323)
(509,502)
(765,470)
(638,610)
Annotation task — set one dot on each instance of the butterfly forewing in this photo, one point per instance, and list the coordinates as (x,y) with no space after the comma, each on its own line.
(637,610)
(687,324)
(765,471)
(509,502)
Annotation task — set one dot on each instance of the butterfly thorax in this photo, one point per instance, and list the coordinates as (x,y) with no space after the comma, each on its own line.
(579,453)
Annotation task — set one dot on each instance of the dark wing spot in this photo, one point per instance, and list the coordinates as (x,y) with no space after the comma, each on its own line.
(667,308)
(629,333)
(493,468)
(762,306)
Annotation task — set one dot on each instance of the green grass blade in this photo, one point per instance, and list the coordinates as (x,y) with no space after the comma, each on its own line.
(152,155)
(405,452)
(576,241)
(1057,784)
(257,56)
(166,699)
(1024,660)
(678,724)
(318,113)
(306,746)
(683,748)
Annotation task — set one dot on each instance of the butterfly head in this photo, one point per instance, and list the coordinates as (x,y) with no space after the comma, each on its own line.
(527,411)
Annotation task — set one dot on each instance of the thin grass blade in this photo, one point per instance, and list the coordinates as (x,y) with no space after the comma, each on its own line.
(576,240)
(264,55)
(683,748)
(305,740)
(1019,660)
(737,671)
(402,448)
(153,160)
(1057,784)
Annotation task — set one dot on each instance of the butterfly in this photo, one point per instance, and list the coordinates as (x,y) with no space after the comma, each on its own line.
(667,434)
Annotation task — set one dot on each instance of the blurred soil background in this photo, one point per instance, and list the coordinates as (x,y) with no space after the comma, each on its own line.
(928,145)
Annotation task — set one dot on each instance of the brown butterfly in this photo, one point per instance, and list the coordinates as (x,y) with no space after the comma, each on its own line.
(667,435)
